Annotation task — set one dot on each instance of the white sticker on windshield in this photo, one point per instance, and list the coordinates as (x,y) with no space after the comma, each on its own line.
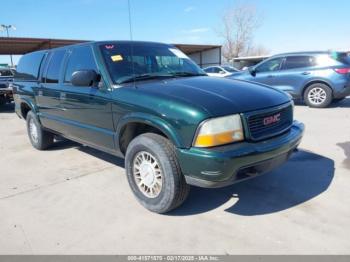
(178,53)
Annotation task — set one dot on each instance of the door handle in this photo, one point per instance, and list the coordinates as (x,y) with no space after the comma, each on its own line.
(270,76)
(305,73)
(62,96)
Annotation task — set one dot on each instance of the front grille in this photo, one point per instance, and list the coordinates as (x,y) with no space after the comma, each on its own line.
(265,124)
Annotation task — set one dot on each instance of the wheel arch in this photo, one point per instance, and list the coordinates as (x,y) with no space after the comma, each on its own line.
(25,106)
(135,124)
(316,81)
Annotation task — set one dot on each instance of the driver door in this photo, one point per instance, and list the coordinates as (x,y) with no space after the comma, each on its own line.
(87,110)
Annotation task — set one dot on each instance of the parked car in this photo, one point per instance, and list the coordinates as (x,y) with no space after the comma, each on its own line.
(316,77)
(220,71)
(6,78)
(148,102)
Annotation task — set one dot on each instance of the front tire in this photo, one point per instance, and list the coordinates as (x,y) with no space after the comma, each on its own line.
(318,95)
(154,174)
(39,138)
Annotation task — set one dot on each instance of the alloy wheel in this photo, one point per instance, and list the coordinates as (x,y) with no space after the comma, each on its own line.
(33,131)
(147,174)
(317,96)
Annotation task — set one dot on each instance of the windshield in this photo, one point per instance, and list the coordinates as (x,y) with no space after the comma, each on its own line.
(128,62)
(230,69)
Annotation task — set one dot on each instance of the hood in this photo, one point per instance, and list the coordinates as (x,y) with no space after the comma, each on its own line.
(218,96)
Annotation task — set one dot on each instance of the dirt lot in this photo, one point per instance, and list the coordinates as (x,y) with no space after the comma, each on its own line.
(75,200)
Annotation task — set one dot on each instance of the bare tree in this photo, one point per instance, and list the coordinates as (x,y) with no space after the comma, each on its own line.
(257,51)
(238,27)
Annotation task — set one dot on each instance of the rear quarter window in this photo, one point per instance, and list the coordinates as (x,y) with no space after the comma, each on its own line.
(343,58)
(28,66)
(333,59)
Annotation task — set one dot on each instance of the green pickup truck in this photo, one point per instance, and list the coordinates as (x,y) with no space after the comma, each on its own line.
(150,104)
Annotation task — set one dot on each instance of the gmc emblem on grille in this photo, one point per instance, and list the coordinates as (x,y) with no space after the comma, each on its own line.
(272,119)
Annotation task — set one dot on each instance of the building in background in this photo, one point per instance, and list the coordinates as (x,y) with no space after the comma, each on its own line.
(203,55)
(244,62)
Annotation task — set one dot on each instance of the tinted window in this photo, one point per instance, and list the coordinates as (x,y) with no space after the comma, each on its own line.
(125,62)
(81,59)
(53,71)
(293,62)
(216,70)
(209,70)
(270,65)
(342,57)
(28,66)
(230,69)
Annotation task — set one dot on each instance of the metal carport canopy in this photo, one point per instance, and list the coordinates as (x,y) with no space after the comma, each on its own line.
(21,45)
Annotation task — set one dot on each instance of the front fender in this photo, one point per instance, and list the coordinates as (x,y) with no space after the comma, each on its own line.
(151,120)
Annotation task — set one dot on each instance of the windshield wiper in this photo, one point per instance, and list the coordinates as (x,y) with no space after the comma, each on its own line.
(187,74)
(143,77)
(156,76)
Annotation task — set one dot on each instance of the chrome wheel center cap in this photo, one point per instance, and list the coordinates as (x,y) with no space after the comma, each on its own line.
(147,174)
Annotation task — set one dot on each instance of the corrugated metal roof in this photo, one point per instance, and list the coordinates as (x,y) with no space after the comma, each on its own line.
(21,45)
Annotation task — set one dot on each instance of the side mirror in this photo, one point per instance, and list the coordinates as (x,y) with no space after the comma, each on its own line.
(85,78)
(222,72)
(252,71)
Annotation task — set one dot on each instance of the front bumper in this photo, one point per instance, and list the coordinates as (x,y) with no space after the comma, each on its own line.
(225,165)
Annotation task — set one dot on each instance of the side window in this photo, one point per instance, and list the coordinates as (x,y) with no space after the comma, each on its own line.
(293,62)
(216,70)
(325,60)
(270,65)
(209,70)
(81,58)
(28,66)
(53,71)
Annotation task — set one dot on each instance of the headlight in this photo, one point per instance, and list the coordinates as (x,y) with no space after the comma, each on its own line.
(219,131)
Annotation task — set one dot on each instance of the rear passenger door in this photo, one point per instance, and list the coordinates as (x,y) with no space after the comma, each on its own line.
(48,92)
(86,110)
(296,70)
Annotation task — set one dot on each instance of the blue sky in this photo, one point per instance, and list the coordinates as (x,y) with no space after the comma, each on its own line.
(286,25)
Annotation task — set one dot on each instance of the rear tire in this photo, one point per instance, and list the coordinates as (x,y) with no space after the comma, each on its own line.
(318,95)
(154,174)
(39,138)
